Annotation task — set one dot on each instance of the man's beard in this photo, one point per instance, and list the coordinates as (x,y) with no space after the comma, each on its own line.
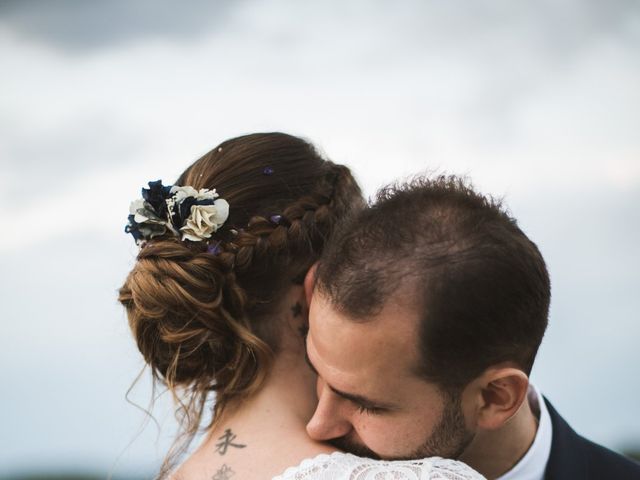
(448,439)
(450,436)
(347,445)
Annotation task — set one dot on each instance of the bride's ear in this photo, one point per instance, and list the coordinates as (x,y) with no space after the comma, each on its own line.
(310,283)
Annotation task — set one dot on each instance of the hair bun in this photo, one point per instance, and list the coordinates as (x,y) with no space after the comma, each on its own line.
(186,312)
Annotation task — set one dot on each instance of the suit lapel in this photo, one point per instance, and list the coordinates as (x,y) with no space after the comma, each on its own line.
(568,459)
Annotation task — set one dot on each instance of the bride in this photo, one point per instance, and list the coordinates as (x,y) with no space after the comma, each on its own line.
(216,305)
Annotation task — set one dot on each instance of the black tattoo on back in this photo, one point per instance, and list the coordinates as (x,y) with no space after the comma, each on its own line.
(303,330)
(296,310)
(225,473)
(226,441)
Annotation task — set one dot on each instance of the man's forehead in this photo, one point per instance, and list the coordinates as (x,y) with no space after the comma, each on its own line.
(400,314)
(386,343)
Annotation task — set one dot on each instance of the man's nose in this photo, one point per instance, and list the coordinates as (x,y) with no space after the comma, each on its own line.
(328,422)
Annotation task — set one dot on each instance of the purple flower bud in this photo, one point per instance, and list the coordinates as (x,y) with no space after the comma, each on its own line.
(268,171)
(214,249)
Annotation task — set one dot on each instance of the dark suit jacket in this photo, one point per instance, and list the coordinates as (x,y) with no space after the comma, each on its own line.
(576,458)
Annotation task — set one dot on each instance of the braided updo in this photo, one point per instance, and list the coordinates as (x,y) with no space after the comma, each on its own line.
(202,320)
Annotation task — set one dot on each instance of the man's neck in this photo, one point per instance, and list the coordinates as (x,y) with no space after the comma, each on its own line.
(493,453)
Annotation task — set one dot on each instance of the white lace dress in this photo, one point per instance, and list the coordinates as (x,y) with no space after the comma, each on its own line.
(344,466)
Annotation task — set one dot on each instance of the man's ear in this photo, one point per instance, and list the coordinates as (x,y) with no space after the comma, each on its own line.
(502,391)
(310,282)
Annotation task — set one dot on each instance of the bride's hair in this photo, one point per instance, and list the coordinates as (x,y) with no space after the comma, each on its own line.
(203,319)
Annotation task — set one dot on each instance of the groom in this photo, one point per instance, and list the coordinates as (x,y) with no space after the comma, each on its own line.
(426,313)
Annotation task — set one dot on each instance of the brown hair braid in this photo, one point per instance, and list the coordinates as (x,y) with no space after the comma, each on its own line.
(204,321)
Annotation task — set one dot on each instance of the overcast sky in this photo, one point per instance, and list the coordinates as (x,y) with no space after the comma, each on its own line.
(536,101)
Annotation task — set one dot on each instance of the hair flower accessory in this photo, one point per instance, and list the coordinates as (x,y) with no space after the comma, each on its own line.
(187,213)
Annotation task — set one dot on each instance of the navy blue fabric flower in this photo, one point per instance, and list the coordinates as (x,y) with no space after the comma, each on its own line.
(133,228)
(156,196)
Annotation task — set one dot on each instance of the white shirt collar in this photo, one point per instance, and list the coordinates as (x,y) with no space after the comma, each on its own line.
(534,462)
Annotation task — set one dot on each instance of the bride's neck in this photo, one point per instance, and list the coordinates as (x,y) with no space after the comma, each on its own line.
(287,398)
(288,395)
(289,389)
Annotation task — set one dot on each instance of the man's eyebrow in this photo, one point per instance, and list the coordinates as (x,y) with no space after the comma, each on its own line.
(358,399)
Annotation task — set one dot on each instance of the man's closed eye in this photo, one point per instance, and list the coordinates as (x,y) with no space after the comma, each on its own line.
(370,410)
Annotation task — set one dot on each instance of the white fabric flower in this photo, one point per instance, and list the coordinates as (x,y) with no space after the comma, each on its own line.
(204,220)
(144,213)
(180,193)
(137,209)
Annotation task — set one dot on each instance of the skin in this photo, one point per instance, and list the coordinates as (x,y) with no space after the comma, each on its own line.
(370,399)
(275,416)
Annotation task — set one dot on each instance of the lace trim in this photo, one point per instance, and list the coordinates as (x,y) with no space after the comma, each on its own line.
(306,463)
(344,466)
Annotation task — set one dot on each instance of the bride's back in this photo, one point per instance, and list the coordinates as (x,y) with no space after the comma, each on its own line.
(215,300)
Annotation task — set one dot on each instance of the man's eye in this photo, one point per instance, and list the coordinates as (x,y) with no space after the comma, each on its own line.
(369,410)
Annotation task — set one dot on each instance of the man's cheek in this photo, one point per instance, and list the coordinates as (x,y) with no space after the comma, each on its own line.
(391,439)
(376,435)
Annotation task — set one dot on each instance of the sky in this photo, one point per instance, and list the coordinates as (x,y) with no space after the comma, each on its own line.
(536,101)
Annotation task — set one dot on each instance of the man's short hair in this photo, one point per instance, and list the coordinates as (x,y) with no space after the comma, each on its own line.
(481,285)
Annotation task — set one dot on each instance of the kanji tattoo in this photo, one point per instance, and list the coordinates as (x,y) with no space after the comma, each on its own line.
(226,441)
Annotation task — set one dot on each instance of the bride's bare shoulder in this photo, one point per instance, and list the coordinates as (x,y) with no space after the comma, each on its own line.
(258,459)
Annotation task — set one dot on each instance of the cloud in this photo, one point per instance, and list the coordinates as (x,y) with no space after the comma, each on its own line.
(558,28)
(46,161)
(589,243)
(78,27)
